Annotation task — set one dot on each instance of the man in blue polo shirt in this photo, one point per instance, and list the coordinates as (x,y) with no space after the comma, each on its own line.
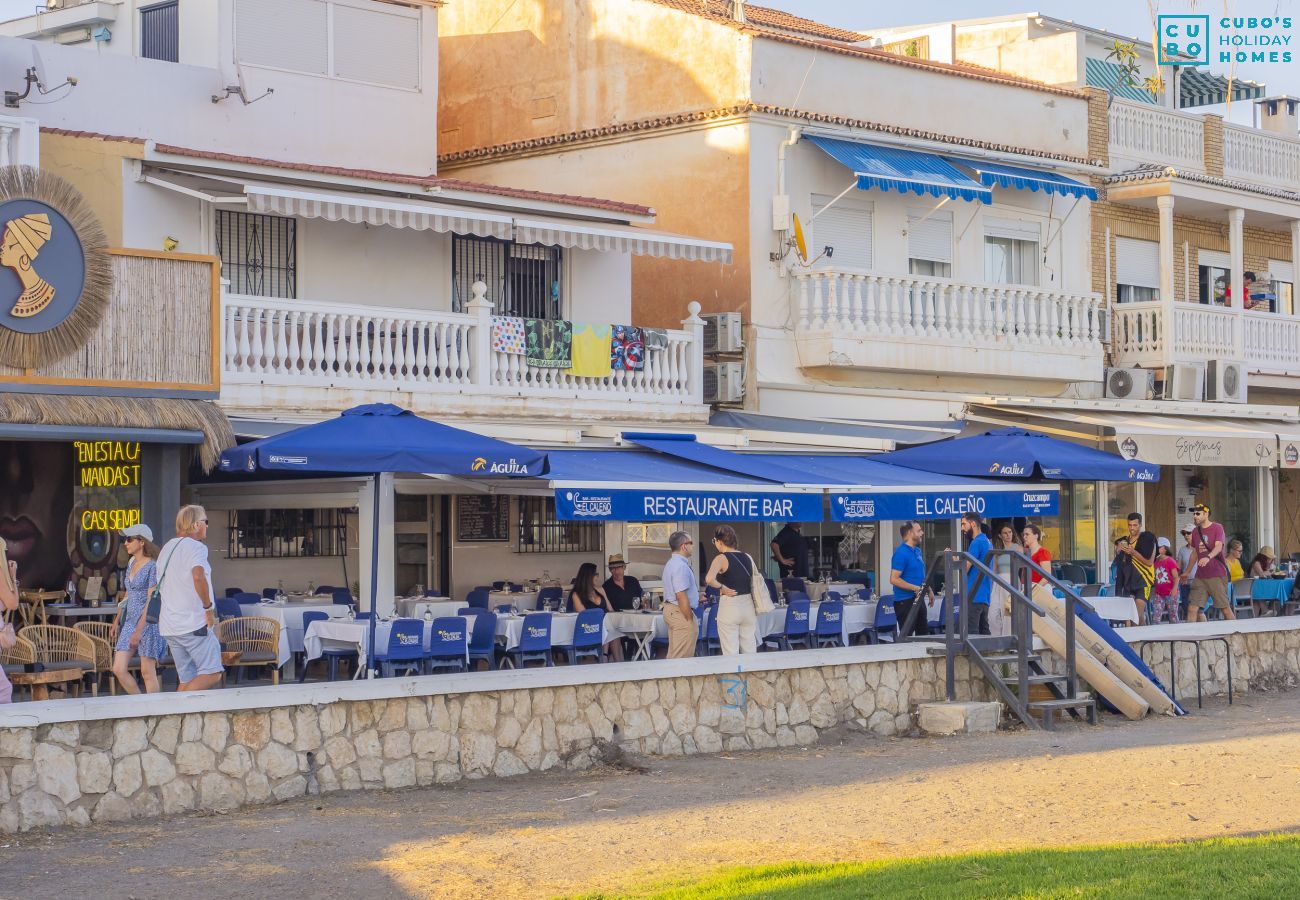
(978,587)
(907,577)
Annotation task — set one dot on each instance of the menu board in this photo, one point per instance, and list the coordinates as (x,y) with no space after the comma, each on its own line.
(482,517)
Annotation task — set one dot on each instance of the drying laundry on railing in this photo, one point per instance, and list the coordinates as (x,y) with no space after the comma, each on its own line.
(508,335)
(627,348)
(655,338)
(548,343)
(590,352)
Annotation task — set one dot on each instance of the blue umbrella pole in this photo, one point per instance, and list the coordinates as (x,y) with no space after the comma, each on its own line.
(374,577)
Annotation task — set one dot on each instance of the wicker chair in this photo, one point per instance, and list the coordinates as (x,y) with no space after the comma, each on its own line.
(102,634)
(31,605)
(64,648)
(18,657)
(256,638)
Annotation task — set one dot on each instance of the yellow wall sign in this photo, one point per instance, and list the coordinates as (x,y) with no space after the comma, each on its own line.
(107,486)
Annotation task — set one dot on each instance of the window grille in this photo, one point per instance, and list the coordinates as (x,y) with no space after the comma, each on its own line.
(284,533)
(541,532)
(160,32)
(522,279)
(258,253)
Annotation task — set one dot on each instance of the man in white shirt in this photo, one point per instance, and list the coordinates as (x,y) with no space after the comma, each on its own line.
(187,617)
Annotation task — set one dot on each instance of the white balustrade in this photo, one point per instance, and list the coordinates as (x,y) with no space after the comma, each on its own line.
(1272,342)
(1151,134)
(1139,334)
(1250,154)
(1204,332)
(905,307)
(1265,341)
(299,342)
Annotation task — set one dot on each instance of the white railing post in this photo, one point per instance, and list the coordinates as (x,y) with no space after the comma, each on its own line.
(694,388)
(480,342)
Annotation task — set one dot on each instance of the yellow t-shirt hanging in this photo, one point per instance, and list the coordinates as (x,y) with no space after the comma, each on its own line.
(590,357)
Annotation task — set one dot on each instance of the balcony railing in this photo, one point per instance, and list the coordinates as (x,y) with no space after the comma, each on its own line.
(1253,155)
(864,306)
(1265,341)
(1150,134)
(274,343)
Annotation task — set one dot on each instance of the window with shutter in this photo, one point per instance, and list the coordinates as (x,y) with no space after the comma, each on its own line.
(160,31)
(283,34)
(378,47)
(929,244)
(846,226)
(1137,270)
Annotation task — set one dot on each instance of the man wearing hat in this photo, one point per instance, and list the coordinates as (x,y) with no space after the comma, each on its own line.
(620,587)
(1209,572)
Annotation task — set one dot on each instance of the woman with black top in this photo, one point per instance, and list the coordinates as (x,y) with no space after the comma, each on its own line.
(586,594)
(732,573)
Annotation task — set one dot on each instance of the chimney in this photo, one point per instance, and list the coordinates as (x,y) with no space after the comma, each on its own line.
(1279,115)
(738,10)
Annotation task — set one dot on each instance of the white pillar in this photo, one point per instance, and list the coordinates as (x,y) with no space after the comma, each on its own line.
(1266,514)
(1295,263)
(1165,206)
(695,354)
(481,360)
(1237,266)
(365,542)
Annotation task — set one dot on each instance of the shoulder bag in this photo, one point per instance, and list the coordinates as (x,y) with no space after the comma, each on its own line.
(153,609)
(758,589)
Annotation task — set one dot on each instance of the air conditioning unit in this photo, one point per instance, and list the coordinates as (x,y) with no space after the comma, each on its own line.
(724,382)
(1130,384)
(722,333)
(1225,382)
(1185,381)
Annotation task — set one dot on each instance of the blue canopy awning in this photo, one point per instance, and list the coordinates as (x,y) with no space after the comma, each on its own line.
(685,446)
(992,174)
(898,169)
(1017,453)
(643,486)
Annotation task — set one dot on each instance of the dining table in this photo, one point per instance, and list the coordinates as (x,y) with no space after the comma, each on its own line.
(1270,590)
(521,600)
(354,634)
(289,614)
(815,589)
(510,630)
(415,607)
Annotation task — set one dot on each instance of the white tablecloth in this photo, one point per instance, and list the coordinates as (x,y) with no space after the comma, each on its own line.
(511,628)
(414,607)
(1115,609)
(355,635)
(289,615)
(857,617)
(815,589)
(522,600)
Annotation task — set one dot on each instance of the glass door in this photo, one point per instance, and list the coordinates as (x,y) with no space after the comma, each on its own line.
(411,544)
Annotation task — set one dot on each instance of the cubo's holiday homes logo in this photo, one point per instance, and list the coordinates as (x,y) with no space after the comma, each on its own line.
(1198,40)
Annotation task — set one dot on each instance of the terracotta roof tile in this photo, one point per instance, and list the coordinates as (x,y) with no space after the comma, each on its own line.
(661,122)
(67,132)
(762,17)
(1155,172)
(430,181)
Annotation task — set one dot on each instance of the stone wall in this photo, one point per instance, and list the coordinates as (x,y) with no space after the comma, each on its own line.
(72,762)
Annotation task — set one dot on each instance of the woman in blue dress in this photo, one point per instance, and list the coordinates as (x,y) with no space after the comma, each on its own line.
(134,634)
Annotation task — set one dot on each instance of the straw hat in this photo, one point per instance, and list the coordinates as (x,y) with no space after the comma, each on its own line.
(616,559)
(1267,551)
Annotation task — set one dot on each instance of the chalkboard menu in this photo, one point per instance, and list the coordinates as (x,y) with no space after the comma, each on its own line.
(482,517)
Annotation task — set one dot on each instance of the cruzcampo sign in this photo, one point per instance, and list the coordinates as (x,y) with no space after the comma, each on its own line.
(55,277)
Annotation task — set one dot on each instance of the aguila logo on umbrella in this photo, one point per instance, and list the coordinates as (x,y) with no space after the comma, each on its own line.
(513,467)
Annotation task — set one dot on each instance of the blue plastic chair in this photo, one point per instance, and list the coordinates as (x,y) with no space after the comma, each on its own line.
(708,645)
(771,589)
(503,609)
(478,598)
(405,651)
(432,592)
(482,637)
(269,593)
(588,636)
(549,595)
(324,589)
(364,616)
(246,597)
(885,621)
(228,607)
(792,596)
(342,597)
(498,585)
(232,591)
(711,595)
(448,644)
(829,631)
(796,630)
(332,655)
(793,584)
(534,643)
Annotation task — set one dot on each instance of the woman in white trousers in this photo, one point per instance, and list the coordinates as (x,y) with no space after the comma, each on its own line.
(732,573)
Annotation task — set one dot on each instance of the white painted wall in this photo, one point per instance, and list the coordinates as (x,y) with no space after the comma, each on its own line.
(600,286)
(308,118)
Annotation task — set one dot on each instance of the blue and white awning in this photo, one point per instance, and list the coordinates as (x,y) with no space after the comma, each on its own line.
(897,169)
(1001,175)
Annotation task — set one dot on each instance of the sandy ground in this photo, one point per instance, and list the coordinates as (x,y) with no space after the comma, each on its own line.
(1230,770)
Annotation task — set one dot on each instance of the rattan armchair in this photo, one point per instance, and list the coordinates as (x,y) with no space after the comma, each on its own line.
(59,647)
(19,655)
(31,605)
(255,638)
(101,633)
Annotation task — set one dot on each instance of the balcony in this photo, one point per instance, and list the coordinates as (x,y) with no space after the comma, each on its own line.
(908,323)
(284,356)
(1268,343)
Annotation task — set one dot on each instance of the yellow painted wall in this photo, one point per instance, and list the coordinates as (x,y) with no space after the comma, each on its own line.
(697,181)
(93,166)
(1053,59)
(518,69)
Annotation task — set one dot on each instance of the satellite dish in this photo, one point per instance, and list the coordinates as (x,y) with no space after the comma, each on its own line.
(800,244)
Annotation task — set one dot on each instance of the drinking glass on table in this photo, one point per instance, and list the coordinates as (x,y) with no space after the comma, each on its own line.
(419,590)
(636,602)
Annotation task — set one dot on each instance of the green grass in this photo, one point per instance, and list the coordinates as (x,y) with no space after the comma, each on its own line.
(1265,867)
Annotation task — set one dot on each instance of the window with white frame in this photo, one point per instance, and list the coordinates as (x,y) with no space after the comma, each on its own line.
(847,226)
(1213,270)
(1284,282)
(929,244)
(354,40)
(1137,270)
(1011,251)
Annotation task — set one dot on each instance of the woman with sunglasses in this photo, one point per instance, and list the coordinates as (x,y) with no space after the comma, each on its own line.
(134,634)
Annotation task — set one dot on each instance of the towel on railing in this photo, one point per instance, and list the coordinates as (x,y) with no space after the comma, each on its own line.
(549,343)
(508,334)
(627,348)
(590,351)
(655,338)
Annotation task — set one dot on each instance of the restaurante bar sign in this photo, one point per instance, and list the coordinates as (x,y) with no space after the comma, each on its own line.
(686,506)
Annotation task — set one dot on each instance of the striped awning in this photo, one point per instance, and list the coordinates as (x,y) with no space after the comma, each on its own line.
(902,170)
(619,238)
(373,209)
(992,174)
(1199,88)
(1099,73)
